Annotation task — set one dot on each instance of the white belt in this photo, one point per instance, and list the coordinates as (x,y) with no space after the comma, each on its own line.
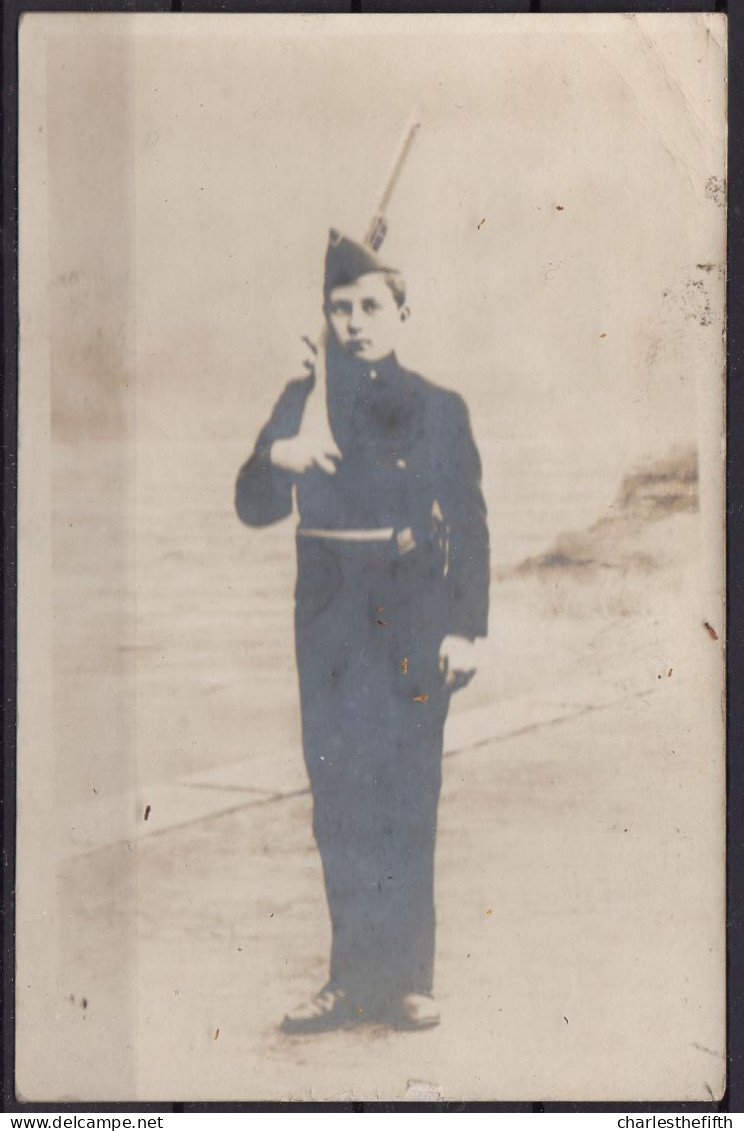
(380,534)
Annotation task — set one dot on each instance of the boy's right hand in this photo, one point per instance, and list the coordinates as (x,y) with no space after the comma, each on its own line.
(300,453)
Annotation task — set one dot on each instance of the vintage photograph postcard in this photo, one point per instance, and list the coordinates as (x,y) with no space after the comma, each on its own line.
(371,598)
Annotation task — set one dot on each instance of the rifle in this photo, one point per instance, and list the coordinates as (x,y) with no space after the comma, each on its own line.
(315,416)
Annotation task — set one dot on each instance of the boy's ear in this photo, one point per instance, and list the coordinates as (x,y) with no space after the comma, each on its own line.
(405,313)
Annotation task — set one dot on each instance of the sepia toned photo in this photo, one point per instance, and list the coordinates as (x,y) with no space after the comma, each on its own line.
(371,581)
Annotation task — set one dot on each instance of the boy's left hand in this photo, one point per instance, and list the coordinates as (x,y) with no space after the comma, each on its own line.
(458,659)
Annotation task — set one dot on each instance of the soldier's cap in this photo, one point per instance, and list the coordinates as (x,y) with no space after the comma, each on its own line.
(346,260)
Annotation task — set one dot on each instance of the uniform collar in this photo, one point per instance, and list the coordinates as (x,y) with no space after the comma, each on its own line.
(364,371)
(379,370)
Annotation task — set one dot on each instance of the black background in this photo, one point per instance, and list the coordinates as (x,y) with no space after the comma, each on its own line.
(733,1100)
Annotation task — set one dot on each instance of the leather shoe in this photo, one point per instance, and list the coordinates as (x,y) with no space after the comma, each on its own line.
(417,1011)
(329,1009)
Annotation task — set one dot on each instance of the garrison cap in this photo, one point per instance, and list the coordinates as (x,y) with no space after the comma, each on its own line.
(346,260)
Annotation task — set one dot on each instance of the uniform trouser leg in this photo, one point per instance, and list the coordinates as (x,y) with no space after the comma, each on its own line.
(378,860)
(372,731)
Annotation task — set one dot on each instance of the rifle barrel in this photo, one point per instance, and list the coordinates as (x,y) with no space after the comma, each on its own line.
(397,167)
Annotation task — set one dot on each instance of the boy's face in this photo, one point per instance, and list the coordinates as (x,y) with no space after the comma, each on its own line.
(365,317)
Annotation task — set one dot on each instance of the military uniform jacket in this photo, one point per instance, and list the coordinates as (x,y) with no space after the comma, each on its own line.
(409,463)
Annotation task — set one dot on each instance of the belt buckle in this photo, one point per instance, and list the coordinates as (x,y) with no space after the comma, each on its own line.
(405,541)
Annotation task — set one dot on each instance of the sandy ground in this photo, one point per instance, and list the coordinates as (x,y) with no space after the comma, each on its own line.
(578,858)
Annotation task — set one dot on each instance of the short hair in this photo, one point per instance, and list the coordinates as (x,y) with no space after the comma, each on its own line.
(397,285)
(393,279)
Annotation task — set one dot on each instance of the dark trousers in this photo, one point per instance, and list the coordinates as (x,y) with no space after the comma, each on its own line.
(369,623)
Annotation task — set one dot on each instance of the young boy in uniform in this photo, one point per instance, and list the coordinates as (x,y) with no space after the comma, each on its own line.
(392,589)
